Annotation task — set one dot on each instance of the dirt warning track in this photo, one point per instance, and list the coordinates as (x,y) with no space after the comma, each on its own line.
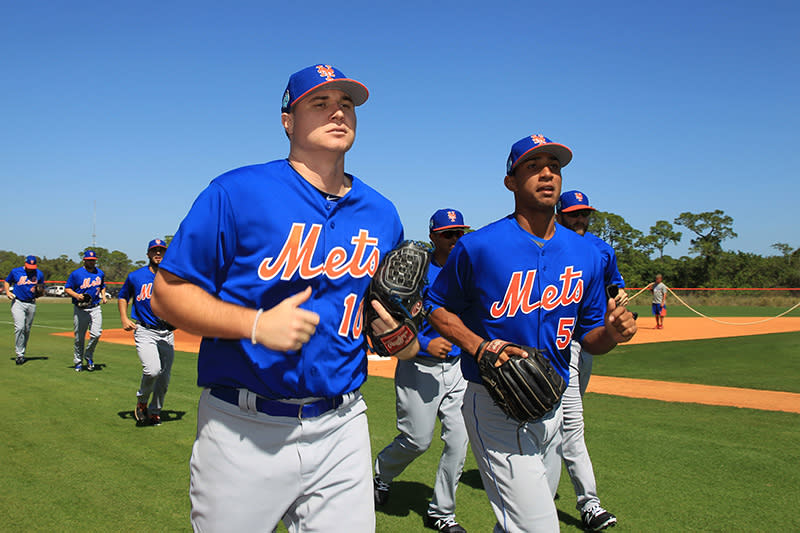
(675,329)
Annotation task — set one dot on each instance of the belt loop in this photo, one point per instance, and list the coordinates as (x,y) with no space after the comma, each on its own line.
(243,399)
(252,402)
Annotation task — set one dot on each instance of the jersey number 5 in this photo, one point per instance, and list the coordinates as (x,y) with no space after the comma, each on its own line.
(564,334)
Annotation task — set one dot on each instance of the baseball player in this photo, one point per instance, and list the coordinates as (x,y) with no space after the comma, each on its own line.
(526,280)
(270,266)
(23,281)
(429,386)
(86,311)
(659,306)
(155,340)
(573,212)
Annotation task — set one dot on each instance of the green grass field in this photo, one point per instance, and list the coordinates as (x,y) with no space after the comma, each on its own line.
(74,460)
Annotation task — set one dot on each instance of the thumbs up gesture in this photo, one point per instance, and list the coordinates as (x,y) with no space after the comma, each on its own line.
(287,326)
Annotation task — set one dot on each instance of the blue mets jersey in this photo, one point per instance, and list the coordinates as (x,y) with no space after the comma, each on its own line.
(259,234)
(24,284)
(427,333)
(503,284)
(138,286)
(609,258)
(84,282)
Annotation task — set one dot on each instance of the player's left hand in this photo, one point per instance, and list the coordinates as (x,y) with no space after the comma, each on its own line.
(385,323)
(440,347)
(619,322)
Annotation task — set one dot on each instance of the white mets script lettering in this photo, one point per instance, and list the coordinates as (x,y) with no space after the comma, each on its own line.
(297,253)
(518,293)
(91,282)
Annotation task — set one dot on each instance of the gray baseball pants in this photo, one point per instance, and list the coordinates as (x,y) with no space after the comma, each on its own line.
(574,451)
(83,319)
(428,388)
(156,351)
(22,313)
(250,470)
(519,463)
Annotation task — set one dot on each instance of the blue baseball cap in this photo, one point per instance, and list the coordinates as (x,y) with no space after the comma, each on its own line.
(447,219)
(156,243)
(526,147)
(306,81)
(30,262)
(89,254)
(573,201)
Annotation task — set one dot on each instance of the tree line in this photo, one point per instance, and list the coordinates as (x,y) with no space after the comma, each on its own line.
(640,256)
(116,264)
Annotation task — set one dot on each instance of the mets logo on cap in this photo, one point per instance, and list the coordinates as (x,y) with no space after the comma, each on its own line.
(539,139)
(579,196)
(326,71)
(451,215)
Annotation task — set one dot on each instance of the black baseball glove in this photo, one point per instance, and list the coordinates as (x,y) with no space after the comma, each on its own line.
(524,388)
(398,285)
(38,290)
(85,301)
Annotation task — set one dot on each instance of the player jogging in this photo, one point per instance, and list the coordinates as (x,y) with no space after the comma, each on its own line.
(270,266)
(87,287)
(526,280)
(24,281)
(573,212)
(154,338)
(428,387)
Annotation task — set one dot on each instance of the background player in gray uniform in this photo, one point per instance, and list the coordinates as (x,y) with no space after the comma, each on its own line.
(573,212)
(270,266)
(23,302)
(155,341)
(88,280)
(659,306)
(429,386)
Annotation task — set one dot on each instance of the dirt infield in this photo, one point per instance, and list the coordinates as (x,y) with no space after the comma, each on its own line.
(675,329)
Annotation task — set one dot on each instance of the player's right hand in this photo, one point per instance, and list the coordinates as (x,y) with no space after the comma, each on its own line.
(439,347)
(619,322)
(622,298)
(505,355)
(129,325)
(287,326)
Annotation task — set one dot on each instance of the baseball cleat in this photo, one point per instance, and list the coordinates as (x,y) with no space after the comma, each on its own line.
(90,365)
(381,491)
(446,525)
(596,518)
(78,367)
(140,413)
(155,420)
(20,360)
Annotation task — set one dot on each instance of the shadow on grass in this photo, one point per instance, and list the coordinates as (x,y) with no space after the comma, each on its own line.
(407,497)
(98,367)
(569,520)
(166,416)
(472,478)
(28,359)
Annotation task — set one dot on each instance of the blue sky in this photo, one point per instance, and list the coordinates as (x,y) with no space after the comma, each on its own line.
(667,106)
